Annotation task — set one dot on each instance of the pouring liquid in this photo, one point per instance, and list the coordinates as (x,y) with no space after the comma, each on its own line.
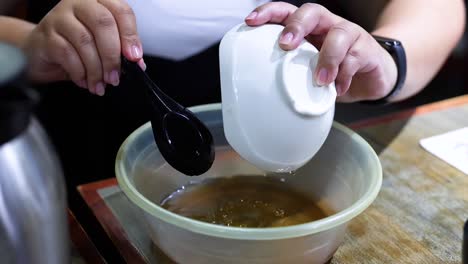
(244,201)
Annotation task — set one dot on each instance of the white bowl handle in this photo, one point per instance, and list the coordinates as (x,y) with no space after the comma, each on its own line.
(305,96)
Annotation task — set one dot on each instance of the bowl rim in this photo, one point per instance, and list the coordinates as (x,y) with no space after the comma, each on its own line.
(214,230)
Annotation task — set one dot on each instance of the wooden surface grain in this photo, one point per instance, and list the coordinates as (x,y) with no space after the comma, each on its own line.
(417,217)
(419,213)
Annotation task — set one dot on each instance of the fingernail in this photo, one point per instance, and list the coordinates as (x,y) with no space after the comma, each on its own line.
(142,64)
(100,89)
(136,52)
(114,78)
(91,89)
(286,38)
(251,16)
(339,90)
(322,76)
(82,84)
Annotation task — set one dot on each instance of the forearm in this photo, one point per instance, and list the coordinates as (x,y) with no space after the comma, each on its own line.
(14,31)
(429,30)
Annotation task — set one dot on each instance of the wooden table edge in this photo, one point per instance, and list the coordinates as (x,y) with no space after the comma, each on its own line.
(108,221)
(82,242)
(404,114)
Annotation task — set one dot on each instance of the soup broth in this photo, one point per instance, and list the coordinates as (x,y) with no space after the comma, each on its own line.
(244,201)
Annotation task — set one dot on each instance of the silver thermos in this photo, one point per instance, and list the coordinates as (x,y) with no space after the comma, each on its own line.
(33,219)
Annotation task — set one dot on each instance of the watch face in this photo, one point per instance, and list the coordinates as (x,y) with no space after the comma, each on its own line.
(387,41)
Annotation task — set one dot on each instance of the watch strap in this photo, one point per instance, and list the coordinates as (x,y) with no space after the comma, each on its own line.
(396,50)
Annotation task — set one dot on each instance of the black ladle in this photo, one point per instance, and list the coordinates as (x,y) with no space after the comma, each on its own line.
(183,140)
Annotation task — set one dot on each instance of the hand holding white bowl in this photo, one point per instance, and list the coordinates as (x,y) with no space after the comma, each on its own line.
(275,115)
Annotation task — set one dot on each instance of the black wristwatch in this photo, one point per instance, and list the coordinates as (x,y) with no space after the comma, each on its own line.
(396,50)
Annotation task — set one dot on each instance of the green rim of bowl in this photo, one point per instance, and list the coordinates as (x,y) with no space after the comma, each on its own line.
(249,233)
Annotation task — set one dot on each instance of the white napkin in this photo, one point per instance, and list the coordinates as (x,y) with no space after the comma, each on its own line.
(452,147)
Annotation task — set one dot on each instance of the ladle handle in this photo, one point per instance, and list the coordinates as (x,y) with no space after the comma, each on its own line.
(158,98)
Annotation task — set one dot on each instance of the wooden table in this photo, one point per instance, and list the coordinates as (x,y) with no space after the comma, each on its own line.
(82,248)
(417,218)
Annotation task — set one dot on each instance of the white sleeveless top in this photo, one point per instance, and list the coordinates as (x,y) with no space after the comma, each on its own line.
(177,29)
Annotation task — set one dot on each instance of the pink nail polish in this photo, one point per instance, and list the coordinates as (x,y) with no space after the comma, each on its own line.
(251,16)
(82,84)
(114,78)
(286,38)
(92,89)
(322,76)
(100,89)
(142,64)
(339,90)
(136,52)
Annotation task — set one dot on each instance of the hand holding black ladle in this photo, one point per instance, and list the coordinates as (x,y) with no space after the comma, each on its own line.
(183,140)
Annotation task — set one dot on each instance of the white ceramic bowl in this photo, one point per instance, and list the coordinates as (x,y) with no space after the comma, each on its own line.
(345,176)
(269,95)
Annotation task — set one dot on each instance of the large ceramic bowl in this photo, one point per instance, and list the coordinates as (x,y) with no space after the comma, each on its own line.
(344,177)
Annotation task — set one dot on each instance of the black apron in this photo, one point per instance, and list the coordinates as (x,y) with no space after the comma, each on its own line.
(88,130)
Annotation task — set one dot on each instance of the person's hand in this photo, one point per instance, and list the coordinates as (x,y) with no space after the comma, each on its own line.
(360,67)
(82,41)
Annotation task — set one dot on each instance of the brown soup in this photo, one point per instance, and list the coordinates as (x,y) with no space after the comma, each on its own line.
(244,201)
